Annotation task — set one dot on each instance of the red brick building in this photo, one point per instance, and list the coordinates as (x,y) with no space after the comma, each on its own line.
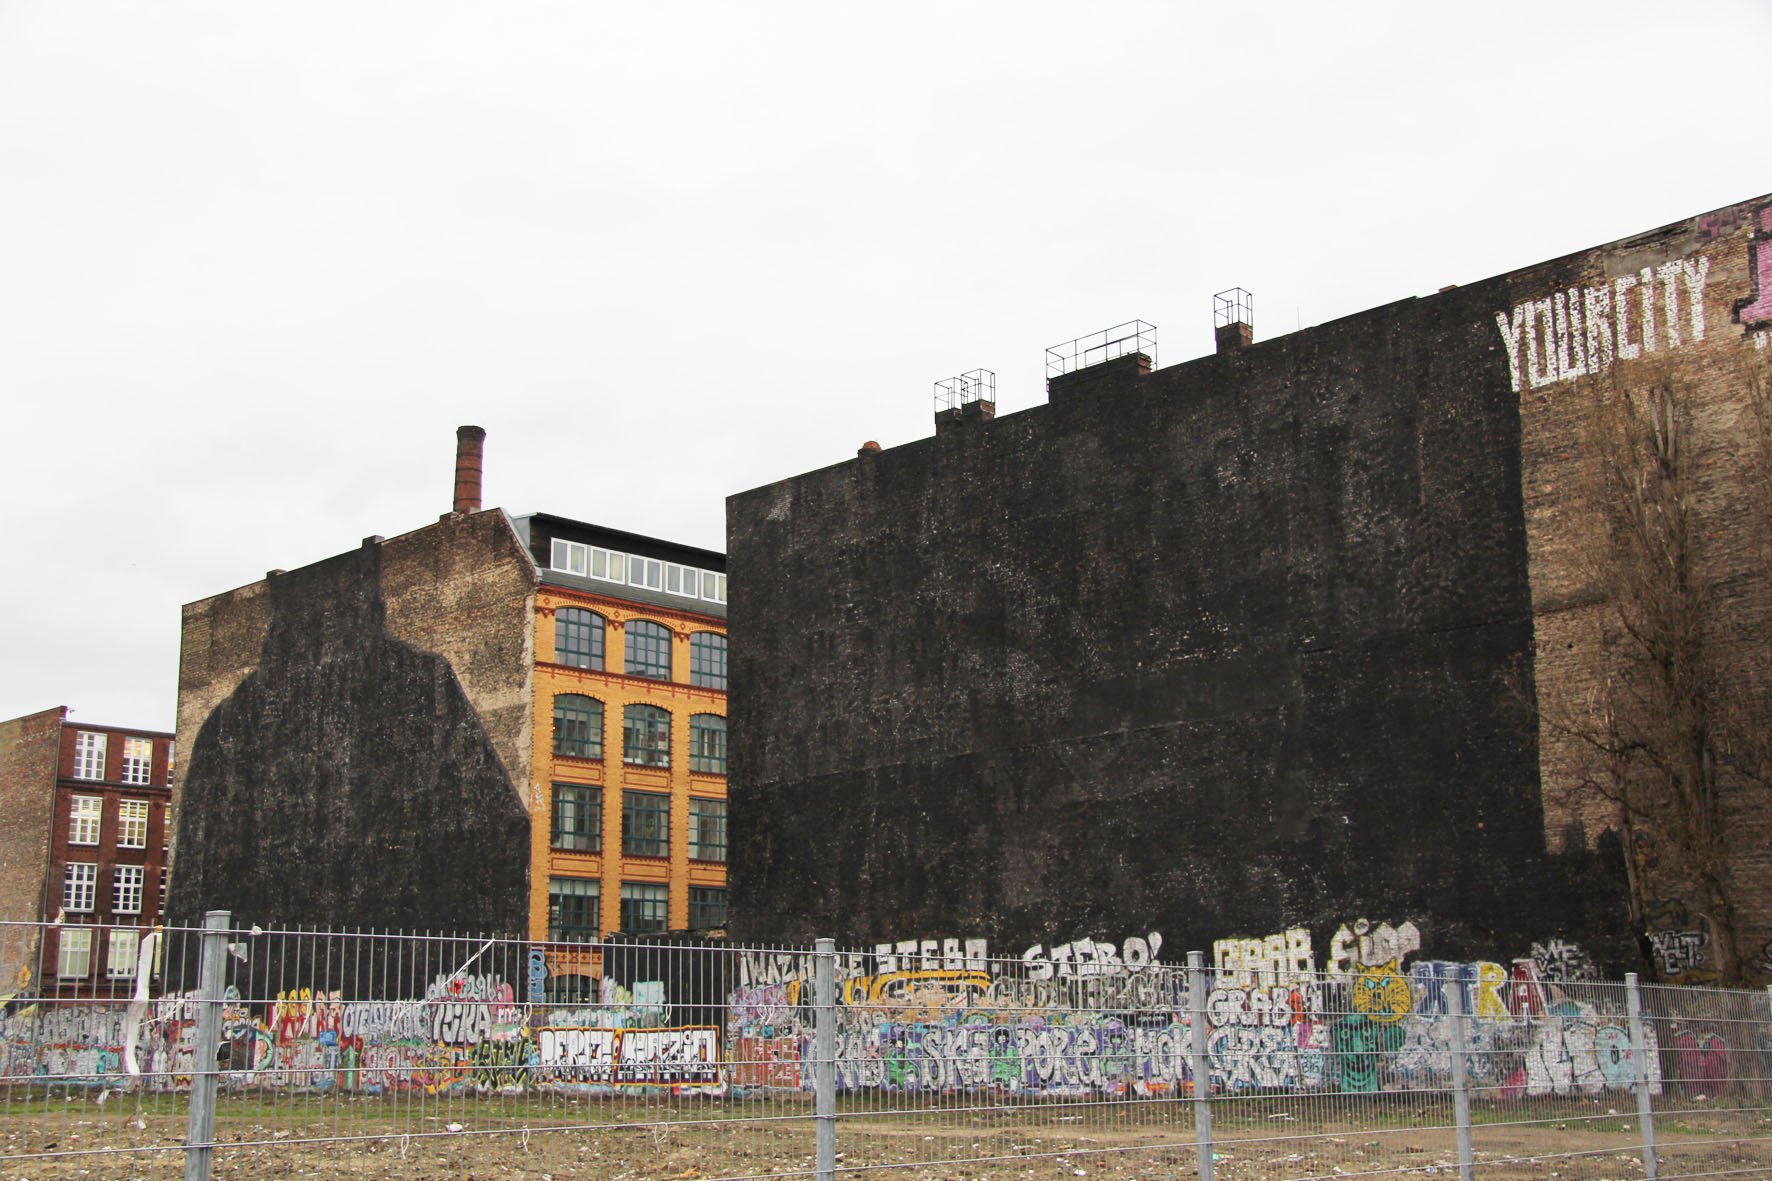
(85,847)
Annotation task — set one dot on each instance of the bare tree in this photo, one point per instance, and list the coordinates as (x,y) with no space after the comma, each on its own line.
(1675,722)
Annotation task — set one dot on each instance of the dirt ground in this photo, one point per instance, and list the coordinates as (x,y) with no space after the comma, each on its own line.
(79,1137)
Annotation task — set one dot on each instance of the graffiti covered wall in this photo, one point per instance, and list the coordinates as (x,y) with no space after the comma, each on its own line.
(1355,1013)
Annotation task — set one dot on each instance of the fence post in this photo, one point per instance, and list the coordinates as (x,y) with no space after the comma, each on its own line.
(1197,1061)
(1639,1057)
(1461,1093)
(200,1127)
(824,1055)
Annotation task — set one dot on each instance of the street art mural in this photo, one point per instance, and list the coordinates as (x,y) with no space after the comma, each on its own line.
(1365,1014)
(1362,1018)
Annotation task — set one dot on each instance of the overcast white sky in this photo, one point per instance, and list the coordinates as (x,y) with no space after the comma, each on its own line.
(258,260)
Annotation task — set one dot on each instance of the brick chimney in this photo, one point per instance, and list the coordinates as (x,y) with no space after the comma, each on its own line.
(948,421)
(470,448)
(1234,337)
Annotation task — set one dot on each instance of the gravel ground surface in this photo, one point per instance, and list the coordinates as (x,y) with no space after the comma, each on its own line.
(664,1141)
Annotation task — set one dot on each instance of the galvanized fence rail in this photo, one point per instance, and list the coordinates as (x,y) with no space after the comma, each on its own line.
(233,1051)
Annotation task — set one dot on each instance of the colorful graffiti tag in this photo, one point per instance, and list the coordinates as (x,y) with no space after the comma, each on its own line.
(1113,1021)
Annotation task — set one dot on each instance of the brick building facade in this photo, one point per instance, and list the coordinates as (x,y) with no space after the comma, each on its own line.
(84,848)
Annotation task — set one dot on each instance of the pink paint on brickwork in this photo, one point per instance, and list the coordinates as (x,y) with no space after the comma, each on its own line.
(1756,310)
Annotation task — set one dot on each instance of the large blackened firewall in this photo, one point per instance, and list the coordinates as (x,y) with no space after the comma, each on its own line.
(349,774)
(1215,649)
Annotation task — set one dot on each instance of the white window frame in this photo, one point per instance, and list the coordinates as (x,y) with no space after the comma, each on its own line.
(569,557)
(86,815)
(89,755)
(123,952)
(132,824)
(72,942)
(80,887)
(138,761)
(126,889)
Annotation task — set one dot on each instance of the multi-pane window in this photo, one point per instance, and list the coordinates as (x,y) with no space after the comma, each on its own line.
(138,760)
(707,907)
(570,556)
(578,638)
(73,957)
(578,817)
(590,561)
(578,726)
(707,660)
(649,650)
(126,889)
(132,824)
(646,736)
(646,823)
(89,755)
(80,886)
(644,907)
(707,743)
(707,829)
(125,946)
(83,819)
(572,909)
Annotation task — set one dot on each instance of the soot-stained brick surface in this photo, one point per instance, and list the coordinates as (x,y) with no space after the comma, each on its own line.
(1221,649)
(348,778)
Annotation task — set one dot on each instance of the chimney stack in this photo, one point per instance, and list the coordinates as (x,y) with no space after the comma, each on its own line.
(1233,316)
(470,448)
(1232,337)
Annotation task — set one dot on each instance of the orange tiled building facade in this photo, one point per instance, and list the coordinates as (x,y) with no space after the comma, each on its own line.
(630,733)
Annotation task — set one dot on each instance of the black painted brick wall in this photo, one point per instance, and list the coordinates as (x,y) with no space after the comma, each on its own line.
(1219,650)
(348,780)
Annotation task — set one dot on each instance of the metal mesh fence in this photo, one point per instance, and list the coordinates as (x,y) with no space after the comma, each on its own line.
(242,1052)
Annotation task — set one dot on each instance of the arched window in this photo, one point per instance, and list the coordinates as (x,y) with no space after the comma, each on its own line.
(646,736)
(707,743)
(707,660)
(649,650)
(578,726)
(578,638)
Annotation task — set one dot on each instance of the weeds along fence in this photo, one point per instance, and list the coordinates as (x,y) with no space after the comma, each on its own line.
(231,1051)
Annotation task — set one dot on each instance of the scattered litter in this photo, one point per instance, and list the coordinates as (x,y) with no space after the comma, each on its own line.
(452,1127)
